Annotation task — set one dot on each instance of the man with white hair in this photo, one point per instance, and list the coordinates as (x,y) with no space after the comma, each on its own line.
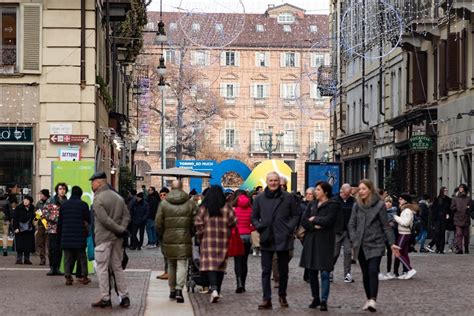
(342,235)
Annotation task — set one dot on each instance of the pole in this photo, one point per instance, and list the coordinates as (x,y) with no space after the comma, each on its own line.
(163,145)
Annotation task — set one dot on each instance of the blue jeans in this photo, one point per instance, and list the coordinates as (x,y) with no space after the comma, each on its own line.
(151,232)
(422,237)
(314,283)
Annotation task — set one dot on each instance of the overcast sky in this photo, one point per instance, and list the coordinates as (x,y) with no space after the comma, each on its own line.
(251,6)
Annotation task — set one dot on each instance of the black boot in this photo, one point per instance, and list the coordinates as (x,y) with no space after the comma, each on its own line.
(315,303)
(240,286)
(179,296)
(324,306)
(5,253)
(57,272)
(173,295)
(51,271)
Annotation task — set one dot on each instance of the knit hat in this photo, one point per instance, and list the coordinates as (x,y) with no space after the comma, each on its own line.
(407,197)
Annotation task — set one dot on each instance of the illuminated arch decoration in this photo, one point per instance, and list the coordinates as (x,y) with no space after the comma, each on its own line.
(259,174)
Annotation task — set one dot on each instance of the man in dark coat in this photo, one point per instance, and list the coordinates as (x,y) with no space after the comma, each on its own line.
(342,236)
(275,215)
(74,218)
(153,200)
(138,214)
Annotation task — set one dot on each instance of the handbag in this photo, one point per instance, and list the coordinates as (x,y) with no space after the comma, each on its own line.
(25,226)
(90,247)
(300,232)
(236,246)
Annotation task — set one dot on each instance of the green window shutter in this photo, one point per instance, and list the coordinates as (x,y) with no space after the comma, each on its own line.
(31,37)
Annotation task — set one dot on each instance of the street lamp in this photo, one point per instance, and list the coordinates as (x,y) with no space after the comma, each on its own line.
(161,87)
(470,113)
(266,141)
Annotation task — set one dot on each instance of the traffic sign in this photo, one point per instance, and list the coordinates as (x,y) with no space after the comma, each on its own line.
(69,139)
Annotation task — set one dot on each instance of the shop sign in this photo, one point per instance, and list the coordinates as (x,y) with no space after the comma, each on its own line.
(69,139)
(12,134)
(69,154)
(60,128)
(421,143)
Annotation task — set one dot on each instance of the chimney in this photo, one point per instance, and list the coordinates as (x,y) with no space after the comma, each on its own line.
(271,6)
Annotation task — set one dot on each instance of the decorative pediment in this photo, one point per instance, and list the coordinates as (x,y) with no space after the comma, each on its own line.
(231,115)
(259,116)
(289,116)
(230,76)
(259,77)
(290,77)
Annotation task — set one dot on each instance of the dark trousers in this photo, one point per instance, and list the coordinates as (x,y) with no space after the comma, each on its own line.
(54,248)
(462,235)
(389,257)
(370,274)
(283,258)
(215,280)
(137,228)
(20,255)
(439,238)
(241,262)
(73,256)
(314,283)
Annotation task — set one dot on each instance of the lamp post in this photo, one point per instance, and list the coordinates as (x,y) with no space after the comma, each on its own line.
(266,141)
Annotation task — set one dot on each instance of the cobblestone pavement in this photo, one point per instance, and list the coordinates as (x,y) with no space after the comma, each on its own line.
(443,286)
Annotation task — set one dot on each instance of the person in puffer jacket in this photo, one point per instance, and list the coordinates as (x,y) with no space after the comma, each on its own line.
(243,212)
(405,223)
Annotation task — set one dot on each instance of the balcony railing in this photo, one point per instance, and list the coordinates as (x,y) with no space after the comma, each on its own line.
(295,148)
(327,83)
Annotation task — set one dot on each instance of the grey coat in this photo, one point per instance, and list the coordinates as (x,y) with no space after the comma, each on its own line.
(368,228)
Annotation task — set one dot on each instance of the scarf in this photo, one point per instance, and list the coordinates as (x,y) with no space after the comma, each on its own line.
(272,194)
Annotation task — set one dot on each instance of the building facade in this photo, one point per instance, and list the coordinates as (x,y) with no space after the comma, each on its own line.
(57,78)
(403,117)
(263,82)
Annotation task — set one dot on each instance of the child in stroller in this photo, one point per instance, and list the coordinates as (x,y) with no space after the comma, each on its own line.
(195,277)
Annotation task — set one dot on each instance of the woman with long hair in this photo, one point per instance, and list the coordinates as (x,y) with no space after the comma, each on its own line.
(243,212)
(319,221)
(368,229)
(213,225)
(24,230)
(440,213)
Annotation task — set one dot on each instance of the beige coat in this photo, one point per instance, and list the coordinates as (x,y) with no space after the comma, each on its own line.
(111,215)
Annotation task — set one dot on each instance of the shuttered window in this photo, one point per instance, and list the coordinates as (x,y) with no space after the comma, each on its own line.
(443,91)
(435,74)
(31,39)
(464,63)
(453,62)
(419,68)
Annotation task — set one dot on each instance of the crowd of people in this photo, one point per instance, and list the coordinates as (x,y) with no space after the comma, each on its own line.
(360,221)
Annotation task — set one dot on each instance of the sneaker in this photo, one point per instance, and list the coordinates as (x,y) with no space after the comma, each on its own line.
(423,250)
(125,302)
(331,277)
(254,253)
(410,274)
(214,297)
(402,276)
(390,276)
(348,278)
(428,248)
(365,306)
(371,306)
(383,277)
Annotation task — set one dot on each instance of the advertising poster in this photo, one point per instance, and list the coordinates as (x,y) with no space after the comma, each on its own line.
(323,171)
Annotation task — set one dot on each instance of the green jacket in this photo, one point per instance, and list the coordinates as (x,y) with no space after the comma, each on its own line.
(175,221)
(111,215)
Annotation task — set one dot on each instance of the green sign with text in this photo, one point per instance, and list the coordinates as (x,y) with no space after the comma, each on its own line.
(421,143)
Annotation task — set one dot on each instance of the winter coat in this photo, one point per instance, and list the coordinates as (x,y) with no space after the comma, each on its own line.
(282,206)
(74,218)
(318,244)
(139,212)
(460,205)
(368,228)
(153,202)
(24,240)
(175,222)
(111,215)
(5,208)
(424,213)
(441,208)
(243,212)
(213,234)
(346,209)
(405,220)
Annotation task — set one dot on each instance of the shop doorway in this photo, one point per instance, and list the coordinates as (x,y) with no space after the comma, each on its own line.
(16,169)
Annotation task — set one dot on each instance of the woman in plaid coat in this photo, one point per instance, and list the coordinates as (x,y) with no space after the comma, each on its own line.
(213,225)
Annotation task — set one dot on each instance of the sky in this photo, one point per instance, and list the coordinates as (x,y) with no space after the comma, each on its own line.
(251,6)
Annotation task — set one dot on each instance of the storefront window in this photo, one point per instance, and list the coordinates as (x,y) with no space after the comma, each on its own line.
(16,167)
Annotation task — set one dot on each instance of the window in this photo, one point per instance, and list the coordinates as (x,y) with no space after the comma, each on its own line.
(313,28)
(289,137)
(170,56)
(230,137)
(287,28)
(289,91)
(317,59)
(170,136)
(262,59)
(289,59)
(196,27)
(230,58)
(259,129)
(229,90)
(8,45)
(259,91)
(219,27)
(318,136)
(260,28)
(286,18)
(173,26)
(315,93)
(200,58)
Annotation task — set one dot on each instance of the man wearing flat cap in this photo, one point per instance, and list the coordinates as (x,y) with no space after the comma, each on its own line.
(111,217)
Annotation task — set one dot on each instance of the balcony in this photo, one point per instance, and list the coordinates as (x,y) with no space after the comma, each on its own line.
(118,9)
(259,102)
(327,83)
(283,149)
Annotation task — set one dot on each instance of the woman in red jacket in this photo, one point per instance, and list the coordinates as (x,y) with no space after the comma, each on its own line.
(243,212)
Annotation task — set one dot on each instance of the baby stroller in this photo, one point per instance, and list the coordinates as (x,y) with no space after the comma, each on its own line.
(194,276)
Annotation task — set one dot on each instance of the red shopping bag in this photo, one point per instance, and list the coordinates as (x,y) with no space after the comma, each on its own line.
(236,246)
